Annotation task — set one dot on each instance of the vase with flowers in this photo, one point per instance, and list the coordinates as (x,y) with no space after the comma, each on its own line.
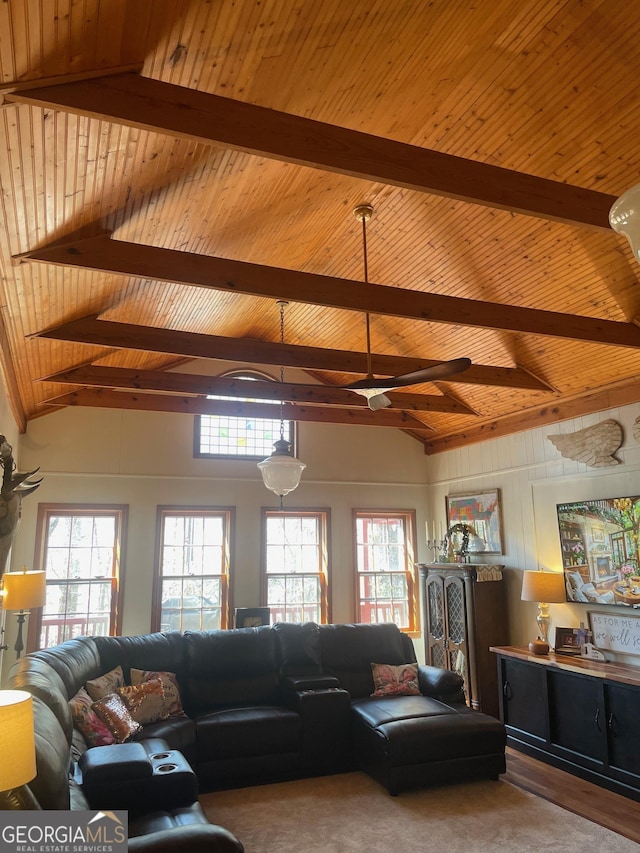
(629,573)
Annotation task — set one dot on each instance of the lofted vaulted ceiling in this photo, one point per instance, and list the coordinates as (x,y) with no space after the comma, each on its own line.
(171,169)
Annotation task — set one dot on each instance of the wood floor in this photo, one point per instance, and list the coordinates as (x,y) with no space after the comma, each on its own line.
(618,813)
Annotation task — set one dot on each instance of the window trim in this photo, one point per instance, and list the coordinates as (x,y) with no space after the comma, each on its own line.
(413,589)
(325,533)
(291,434)
(45,510)
(163,510)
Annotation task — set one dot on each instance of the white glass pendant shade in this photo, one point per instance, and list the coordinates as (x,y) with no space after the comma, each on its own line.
(624,218)
(281,471)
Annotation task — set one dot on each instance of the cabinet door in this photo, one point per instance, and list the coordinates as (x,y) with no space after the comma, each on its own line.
(577,717)
(456,630)
(435,629)
(623,727)
(524,698)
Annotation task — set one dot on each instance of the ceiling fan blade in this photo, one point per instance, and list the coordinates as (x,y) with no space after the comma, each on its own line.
(427,374)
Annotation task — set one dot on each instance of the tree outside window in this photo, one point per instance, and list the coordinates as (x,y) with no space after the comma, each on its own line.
(386,574)
(295,555)
(191,590)
(80,549)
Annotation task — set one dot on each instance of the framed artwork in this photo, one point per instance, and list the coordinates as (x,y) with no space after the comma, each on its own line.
(480,512)
(567,642)
(599,543)
(252,617)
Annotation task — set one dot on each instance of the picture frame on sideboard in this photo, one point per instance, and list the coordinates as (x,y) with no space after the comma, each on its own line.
(566,642)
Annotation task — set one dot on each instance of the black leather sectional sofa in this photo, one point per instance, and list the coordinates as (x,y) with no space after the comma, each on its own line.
(262,704)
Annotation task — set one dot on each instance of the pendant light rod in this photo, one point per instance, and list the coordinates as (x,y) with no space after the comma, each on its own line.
(282,304)
(363,212)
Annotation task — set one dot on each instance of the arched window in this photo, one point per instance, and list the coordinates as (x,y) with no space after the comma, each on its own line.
(238,436)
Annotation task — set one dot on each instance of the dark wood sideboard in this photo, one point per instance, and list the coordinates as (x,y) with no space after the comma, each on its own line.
(580,715)
(465,612)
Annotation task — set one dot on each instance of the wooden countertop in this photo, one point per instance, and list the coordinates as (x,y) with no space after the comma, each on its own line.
(625,673)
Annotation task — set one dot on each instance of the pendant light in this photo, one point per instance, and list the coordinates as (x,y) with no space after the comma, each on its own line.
(624,218)
(281,471)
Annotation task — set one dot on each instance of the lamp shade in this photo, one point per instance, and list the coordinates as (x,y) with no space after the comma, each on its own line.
(17,740)
(281,471)
(24,590)
(624,218)
(543,586)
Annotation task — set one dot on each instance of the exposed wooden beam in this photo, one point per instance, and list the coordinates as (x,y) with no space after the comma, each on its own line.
(107,333)
(133,259)
(98,398)
(160,107)
(618,395)
(64,79)
(98,376)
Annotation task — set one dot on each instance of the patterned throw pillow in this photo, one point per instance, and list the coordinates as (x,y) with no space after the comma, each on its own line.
(145,702)
(172,702)
(112,710)
(97,688)
(395,680)
(86,721)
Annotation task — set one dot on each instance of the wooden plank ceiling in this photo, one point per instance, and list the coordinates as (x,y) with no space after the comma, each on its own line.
(171,168)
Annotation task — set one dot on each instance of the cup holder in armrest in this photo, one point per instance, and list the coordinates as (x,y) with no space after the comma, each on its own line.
(159,756)
(166,768)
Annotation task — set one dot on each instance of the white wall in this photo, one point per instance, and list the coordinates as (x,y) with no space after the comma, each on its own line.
(532,478)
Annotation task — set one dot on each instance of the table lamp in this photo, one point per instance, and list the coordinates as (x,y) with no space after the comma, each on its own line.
(17,740)
(545,588)
(22,591)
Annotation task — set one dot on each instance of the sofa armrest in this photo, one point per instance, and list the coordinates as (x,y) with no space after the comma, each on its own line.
(326,729)
(309,682)
(204,838)
(441,683)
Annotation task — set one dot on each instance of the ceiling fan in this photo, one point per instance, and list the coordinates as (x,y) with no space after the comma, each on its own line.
(373,389)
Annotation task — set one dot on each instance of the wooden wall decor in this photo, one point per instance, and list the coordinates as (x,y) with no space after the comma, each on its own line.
(594,445)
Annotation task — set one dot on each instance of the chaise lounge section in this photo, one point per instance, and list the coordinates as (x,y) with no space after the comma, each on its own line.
(405,741)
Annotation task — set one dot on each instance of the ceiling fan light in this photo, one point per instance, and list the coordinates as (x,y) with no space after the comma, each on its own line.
(379,401)
(624,218)
(281,471)
(375,397)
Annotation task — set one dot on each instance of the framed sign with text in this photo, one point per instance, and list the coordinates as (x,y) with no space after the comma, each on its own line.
(615,633)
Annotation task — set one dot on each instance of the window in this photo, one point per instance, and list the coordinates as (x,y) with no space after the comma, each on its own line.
(192,578)
(80,550)
(245,437)
(296,565)
(386,575)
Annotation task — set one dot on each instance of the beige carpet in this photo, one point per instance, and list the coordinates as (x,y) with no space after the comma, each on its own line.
(351,812)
